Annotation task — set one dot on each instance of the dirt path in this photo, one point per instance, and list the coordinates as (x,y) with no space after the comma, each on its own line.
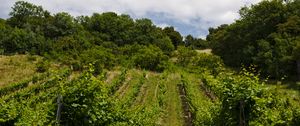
(142,95)
(145,90)
(207,92)
(123,89)
(188,119)
(111,75)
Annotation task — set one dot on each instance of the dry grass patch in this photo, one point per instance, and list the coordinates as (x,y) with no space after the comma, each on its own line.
(16,68)
(208,51)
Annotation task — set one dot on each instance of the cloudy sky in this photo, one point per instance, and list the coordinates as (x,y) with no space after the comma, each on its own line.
(187,16)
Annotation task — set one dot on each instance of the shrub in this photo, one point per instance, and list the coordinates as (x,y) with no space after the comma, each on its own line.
(204,61)
(151,58)
(42,66)
(99,56)
(76,66)
(86,102)
(185,55)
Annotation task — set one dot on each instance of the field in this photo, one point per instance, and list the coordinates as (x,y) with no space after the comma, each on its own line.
(124,96)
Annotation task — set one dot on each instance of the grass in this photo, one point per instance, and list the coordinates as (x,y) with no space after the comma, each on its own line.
(174,112)
(208,51)
(16,68)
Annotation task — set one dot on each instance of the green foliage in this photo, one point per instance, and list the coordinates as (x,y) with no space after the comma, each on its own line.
(62,24)
(64,38)
(42,66)
(174,36)
(196,43)
(165,44)
(114,86)
(265,35)
(151,58)
(100,57)
(31,105)
(185,55)
(204,110)
(85,102)
(21,41)
(24,13)
(207,62)
(15,86)
(246,101)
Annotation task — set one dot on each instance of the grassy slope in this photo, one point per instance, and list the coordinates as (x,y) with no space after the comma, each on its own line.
(16,68)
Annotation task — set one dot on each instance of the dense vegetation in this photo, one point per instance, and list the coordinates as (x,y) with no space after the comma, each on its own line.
(115,70)
(266,35)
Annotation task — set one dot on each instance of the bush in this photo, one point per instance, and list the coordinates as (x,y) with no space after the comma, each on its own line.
(185,55)
(76,66)
(42,66)
(86,102)
(204,61)
(99,56)
(151,58)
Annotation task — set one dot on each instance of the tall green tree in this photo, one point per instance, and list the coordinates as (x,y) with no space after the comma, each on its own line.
(174,35)
(265,35)
(196,43)
(62,24)
(25,14)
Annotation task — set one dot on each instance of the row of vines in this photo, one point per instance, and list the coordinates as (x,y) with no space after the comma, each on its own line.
(225,97)
(210,95)
(56,98)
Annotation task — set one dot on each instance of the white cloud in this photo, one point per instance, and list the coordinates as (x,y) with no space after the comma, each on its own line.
(163,25)
(201,13)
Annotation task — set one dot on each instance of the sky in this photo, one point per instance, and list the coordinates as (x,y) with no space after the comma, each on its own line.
(186,16)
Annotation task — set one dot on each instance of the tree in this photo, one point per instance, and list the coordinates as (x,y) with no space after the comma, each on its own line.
(165,44)
(62,24)
(174,36)
(111,27)
(196,43)
(264,35)
(144,31)
(24,13)
(297,57)
(21,41)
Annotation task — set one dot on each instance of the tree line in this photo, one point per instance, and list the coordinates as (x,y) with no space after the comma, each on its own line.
(105,38)
(267,35)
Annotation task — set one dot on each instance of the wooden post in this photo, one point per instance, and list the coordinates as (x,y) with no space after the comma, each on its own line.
(59,108)
(298,69)
(242,114)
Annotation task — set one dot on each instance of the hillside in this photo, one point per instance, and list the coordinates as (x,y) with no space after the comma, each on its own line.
(111,69)
(128,96)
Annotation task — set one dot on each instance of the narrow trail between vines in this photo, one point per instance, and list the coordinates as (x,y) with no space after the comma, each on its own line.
(187,114)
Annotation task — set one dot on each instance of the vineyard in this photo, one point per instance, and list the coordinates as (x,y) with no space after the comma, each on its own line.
(110,69)
(126,96)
